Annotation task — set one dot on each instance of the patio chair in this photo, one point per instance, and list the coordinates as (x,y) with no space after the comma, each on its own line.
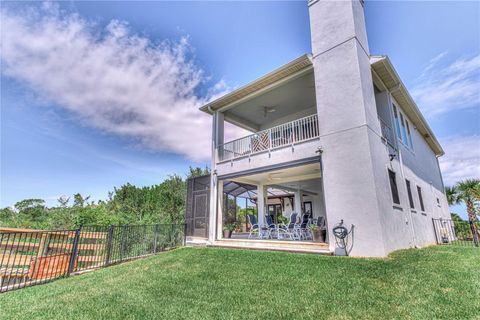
(272,227)
(292,230)
(305,232)
(321,223)
(254,228)
(261,232)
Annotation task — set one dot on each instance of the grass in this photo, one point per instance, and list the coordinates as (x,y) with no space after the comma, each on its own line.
(207,283)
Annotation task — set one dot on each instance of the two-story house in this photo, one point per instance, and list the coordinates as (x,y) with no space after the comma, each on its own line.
(335,133)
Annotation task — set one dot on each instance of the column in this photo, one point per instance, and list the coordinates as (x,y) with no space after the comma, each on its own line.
(261,204)
(298,202)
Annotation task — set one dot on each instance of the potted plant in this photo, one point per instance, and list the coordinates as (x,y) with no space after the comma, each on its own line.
(228,229)
(282,219)
(317,234)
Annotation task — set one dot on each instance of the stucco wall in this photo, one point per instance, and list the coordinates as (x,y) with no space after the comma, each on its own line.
(402,226)
(284,155)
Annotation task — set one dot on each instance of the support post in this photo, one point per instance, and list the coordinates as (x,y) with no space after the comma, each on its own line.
(261,194)
(109,244)
(155,238)
(122,243)
(74,253)
(184,234)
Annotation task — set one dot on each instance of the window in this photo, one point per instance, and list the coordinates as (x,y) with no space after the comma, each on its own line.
(404,131)
(438,202)
(419,190)
(393,187)
(410,144)
(397,123)
(410,198)
(402,127)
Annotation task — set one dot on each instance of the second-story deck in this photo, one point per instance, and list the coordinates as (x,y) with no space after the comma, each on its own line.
(284,135)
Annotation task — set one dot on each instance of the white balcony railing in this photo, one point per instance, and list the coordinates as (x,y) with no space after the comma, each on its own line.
(276,137)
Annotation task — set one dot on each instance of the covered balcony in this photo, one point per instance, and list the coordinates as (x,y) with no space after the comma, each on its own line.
(267,122)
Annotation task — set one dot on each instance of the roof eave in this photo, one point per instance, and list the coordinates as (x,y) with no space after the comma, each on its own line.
(270,78)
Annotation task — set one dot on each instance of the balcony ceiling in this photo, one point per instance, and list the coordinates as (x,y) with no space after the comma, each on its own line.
(286,102)
(304,177)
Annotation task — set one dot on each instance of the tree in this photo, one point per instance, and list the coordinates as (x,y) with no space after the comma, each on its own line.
(29,204)
(172,196)
(466,191)
(63,201)
(79,200)
(198,172)
(450,192)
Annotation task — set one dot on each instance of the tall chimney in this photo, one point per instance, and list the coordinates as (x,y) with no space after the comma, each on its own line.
(348,123)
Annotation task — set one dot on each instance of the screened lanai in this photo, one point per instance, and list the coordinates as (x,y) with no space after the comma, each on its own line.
(290,201)
(240,200)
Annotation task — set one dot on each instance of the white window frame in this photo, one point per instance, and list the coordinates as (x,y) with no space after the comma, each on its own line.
(402,126)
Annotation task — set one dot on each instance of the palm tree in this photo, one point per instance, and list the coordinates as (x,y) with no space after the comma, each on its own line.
(466,191)
(451,194)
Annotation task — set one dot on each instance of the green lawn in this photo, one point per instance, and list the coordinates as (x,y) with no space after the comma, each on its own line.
(206,283)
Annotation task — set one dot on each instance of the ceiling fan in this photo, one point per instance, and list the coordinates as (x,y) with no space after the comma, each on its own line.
(267,110)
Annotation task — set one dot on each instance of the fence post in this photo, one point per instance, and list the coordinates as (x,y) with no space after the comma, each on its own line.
(122,244)
(184,234)
(73,255)
(109,244)
(155,238)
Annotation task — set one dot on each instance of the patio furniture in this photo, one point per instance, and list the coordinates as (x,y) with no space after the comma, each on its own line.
(321,222)
(305,233)
(272,227)
(261,232)
(254,228)
(293,227)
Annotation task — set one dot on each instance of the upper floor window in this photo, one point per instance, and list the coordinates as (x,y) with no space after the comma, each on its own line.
(402,127)
(393,187)
(404,137)
(420,198)
(397,121)
(410,144)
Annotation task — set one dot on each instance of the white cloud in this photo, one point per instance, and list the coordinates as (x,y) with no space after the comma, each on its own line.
(445,87)
(461,159)
(113,79)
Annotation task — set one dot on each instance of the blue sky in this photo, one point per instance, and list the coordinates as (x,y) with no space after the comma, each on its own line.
(52,146)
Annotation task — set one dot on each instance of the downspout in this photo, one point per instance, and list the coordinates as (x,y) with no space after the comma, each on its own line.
(400,159)
(410,222)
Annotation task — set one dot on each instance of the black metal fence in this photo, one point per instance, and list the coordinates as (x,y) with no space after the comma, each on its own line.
(29,257)
(449,232)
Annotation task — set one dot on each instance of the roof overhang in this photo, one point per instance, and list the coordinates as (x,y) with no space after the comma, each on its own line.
(386,78)
(269,81)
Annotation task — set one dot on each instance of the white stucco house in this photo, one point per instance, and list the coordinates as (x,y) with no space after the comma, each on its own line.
(336,133)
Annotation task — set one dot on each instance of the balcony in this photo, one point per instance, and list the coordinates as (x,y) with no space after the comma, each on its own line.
(284,135)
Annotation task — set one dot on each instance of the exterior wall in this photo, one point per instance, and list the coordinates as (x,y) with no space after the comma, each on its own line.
(404,227)
(421,168)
